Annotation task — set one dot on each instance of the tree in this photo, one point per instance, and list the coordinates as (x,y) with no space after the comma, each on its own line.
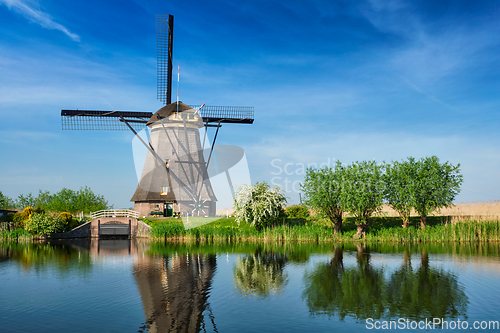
(435,186)
(363,192)
(6,202)
(66,200)
(323,192)
(259,204)
(43,199)
(62,201)
(24,201)
(84,199)
(399,178)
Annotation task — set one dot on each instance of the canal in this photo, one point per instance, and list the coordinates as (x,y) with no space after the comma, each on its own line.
(125,285)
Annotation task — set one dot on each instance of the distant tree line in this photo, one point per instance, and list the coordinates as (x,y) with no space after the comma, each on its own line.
(66,200)
(361,189)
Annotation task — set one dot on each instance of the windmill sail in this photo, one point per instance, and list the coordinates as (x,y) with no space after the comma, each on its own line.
(164,45)
(111,120)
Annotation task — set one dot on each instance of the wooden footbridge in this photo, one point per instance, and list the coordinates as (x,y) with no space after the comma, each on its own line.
(114,222)
(109,223)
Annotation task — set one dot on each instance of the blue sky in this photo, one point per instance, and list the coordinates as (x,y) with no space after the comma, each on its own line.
(329,80)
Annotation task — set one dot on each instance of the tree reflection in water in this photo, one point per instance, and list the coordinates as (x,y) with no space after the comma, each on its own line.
(362,291)
(260,274)
(424,293)
(334,290)
(66,259)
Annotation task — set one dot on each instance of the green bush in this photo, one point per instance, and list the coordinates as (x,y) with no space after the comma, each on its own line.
(297,211)
(66,217)
(84,220)
(23,216)
(68,221)
(39,210)
(41,224)
(17,217)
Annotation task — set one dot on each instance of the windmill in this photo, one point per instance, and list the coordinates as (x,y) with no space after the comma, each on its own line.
(175,176)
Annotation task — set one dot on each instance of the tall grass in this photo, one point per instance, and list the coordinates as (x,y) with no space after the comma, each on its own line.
(16,235)
(463,232)
(383,230)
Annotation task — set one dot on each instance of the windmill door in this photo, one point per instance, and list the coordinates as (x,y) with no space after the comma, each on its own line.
(168,209)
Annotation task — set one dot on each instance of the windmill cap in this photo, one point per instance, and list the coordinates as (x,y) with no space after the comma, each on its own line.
(167,111)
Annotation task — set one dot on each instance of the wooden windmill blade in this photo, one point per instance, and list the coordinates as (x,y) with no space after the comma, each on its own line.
(164,45)
(115,120)
(227,114)
(103,120)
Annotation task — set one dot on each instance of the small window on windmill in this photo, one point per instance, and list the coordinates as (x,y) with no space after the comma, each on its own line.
(183,116)
(191,116)
(165,190)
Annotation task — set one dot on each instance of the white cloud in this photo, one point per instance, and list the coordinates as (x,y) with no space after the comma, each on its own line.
(21,136)
(38,16)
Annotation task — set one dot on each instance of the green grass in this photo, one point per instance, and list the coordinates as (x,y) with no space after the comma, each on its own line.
(16,235)
(313,229)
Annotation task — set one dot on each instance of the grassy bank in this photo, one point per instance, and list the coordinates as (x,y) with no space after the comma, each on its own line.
(20,235)
(383,229)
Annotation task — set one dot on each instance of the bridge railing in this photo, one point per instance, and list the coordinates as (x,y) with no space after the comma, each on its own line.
(114,213)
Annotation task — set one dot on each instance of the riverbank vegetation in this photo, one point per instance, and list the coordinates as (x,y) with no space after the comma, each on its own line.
(346,202)
(316,229)
(46,213)
(32,223)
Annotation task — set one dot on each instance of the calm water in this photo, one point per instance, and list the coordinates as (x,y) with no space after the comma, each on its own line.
(129,286)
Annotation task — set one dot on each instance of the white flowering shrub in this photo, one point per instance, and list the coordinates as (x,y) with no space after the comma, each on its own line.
(259,204)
